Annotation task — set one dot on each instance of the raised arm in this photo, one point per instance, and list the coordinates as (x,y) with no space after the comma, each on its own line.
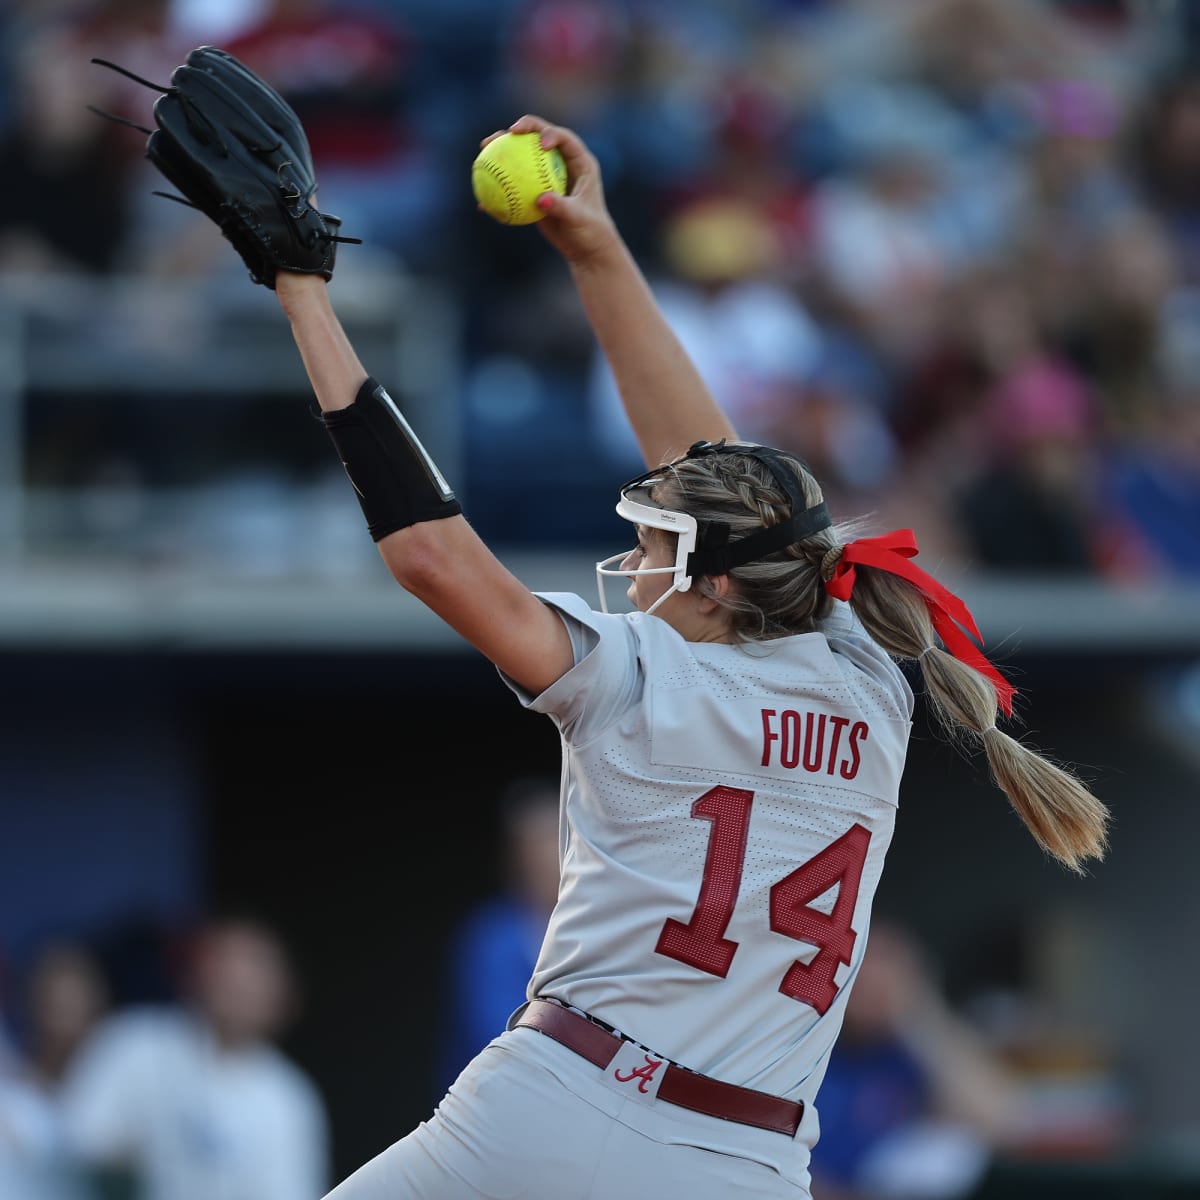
(428,546)
(668,403)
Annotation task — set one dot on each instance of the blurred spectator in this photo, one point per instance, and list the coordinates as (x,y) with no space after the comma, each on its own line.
(78,196)
(64,206)
(566,57)
(32,1163)
(914,1104)
(65,995)
(1008,433)
(1076,180)
(1165,156)
(747,161)
(1024,981)
(976,54)
(1154,477)
(1119,325)
(885,239)
(194,1101)
(1036,507)
(496,945)
(347,70)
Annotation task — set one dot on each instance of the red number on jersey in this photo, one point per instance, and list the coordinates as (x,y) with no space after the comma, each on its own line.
(702,943)
(791,915)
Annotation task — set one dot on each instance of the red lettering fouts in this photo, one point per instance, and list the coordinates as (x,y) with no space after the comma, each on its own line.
(819,742)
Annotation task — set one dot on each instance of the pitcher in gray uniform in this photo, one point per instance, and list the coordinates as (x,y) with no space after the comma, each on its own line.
(732,755)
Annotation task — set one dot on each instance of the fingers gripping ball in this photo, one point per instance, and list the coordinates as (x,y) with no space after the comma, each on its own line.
(511,172)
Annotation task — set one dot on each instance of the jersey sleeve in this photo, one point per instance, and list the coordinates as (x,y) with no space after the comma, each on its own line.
(607,677)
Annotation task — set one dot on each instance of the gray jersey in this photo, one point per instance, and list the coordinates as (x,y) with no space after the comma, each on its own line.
(726,811)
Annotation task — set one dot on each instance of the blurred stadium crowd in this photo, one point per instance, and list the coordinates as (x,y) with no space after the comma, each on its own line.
(946,249)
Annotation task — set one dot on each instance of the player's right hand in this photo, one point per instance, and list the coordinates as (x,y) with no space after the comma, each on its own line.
(577,224)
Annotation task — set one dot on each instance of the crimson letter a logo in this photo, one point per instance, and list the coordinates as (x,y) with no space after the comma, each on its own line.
(644,1074)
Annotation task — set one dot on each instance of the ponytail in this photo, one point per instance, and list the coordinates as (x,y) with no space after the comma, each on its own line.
(906,611)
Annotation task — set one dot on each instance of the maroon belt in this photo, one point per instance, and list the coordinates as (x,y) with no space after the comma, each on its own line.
(700,1093)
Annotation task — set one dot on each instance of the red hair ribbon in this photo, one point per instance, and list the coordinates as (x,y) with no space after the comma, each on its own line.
(949,614)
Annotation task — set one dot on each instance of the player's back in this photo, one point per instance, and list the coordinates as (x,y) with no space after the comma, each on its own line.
(728,810)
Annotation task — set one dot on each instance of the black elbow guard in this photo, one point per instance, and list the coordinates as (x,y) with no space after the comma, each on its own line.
(396,481)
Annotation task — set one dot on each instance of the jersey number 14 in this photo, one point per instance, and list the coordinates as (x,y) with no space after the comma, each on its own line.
(702,943)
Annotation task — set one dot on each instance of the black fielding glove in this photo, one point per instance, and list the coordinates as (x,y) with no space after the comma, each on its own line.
(237,151)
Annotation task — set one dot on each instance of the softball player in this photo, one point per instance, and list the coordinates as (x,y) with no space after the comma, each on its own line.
(732,755)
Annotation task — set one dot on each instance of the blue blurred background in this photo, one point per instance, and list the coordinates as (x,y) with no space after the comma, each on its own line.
(947,250)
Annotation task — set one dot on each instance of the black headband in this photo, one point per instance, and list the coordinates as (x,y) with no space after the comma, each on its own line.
(714,553)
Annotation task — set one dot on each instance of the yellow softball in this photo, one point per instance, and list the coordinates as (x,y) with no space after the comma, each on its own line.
(511,172)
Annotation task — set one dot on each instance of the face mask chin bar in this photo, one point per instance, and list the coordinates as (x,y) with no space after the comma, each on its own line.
(642,511)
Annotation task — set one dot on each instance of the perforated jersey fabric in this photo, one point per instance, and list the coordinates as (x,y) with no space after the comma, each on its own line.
(672,750)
